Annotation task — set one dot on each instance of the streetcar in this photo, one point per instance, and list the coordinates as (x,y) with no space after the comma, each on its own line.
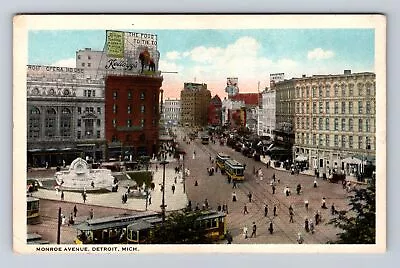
(212,221)
(32,210)
(220,161)
(109,230)
(205,139)
(234,170)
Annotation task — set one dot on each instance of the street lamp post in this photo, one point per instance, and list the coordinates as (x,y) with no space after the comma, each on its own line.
(163,163)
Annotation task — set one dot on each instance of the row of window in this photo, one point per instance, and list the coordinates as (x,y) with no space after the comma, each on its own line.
(89,93)
(129,122)
(89,110)
(88,57)
(324,107)
(128,137)
(87,134)
(341,141)
(130,110)
(345,91)
(142,96)
(346,124)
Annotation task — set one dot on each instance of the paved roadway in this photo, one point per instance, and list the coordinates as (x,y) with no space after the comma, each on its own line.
(217,190)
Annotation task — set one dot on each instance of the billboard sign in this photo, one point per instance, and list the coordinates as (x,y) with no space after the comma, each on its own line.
(232,86)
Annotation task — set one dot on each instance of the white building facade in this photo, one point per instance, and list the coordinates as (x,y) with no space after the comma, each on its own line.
(230,105)
(172,111)
(266,114)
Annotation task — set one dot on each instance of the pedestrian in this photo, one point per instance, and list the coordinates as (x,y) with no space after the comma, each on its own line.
(245,211)
(234,184)
(273,177)
(234,199)
(62,195)
(196,183)
(62,219)
(75,211)
(316,218)
(229,179)
(306,225)
(92,184)
(315,183)
(250,196)
(254,232)
(266,210)
(274,210)
(175,179)
(323,203)
(219,207)
(333,209)
(71,219)
(311,226)
(84,197)
(291,217)
(300,238)
(149,200)
(273,189)
(229,238)
(173,188)
(197,207)
(306,204)
(298,189)
(271,227)
(206,203)
(290,208)
(226,208)
(245,232)
(91,213)
(287,191)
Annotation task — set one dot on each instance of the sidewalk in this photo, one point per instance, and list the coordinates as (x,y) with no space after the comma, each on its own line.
(174,201)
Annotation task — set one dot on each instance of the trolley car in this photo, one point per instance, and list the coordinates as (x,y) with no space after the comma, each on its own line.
(220,161)
(234,170)
(32,210)
(205,139)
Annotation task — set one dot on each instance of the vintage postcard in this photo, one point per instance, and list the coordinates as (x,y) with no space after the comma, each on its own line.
(214,133)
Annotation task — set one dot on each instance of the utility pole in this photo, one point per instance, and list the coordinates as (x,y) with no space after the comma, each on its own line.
(163,206)
(59,226)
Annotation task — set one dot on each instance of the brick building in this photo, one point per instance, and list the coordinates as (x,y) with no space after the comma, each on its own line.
(214,111)
(132,115)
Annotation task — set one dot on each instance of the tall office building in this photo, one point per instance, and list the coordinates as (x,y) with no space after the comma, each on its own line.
(195,99)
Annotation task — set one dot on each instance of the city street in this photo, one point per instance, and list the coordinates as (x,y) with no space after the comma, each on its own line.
(217,191)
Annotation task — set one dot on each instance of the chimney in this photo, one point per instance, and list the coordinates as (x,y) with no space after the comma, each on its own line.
(303,76)
(347,71)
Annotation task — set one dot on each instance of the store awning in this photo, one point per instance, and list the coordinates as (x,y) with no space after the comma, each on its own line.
(301,158)
(352,161)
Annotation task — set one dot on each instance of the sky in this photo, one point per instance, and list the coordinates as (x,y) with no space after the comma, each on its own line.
(211,56)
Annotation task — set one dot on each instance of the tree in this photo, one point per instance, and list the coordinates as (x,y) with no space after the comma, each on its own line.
(358,223)
(180,228)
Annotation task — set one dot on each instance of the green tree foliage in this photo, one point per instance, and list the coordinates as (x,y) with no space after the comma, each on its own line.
(358,223)
(180,228)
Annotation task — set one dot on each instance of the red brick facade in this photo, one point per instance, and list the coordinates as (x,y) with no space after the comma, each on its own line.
(132,115)
(214,111)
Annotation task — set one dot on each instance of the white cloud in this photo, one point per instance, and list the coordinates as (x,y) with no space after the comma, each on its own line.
(173,55)
(71,62)
(320,54)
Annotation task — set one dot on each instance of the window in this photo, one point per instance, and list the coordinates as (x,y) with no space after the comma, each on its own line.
(308,123)
(79,57)
(98,122)
(114,122)
(78,135)
(314,139)
(351,90)
(336,107)
(360,89)
(307,138)
(368,107)
(314,92)
(115,108)
(320,138)
(343,141)
(129,95)
(314,123)
(302,123)
(115,95)
(350,141)
(360,125)
(368,90)
(79,110)
(350,107)
(298,123)
(91,109)
(360,143)
(343,90)
(327,123)
(367,143)
(94,93)
(83,64)
(98,134)
(153,122)
(336,88)
(34,123)
(360,107)
(327,107)
(99,110)
(336,140)
(79,122)
(89,64)
(320,123)
(297,107)
(343,107)
(142,108)
(327,142)
(129,109)
(142,122)
(129,123)
(307,91)
(367,125)
(302,107)
(350,124)
(343,124)
(314,107)
(320,91)
(308,107)
(321,107)
(327,93)
(142,95)
(336,124)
